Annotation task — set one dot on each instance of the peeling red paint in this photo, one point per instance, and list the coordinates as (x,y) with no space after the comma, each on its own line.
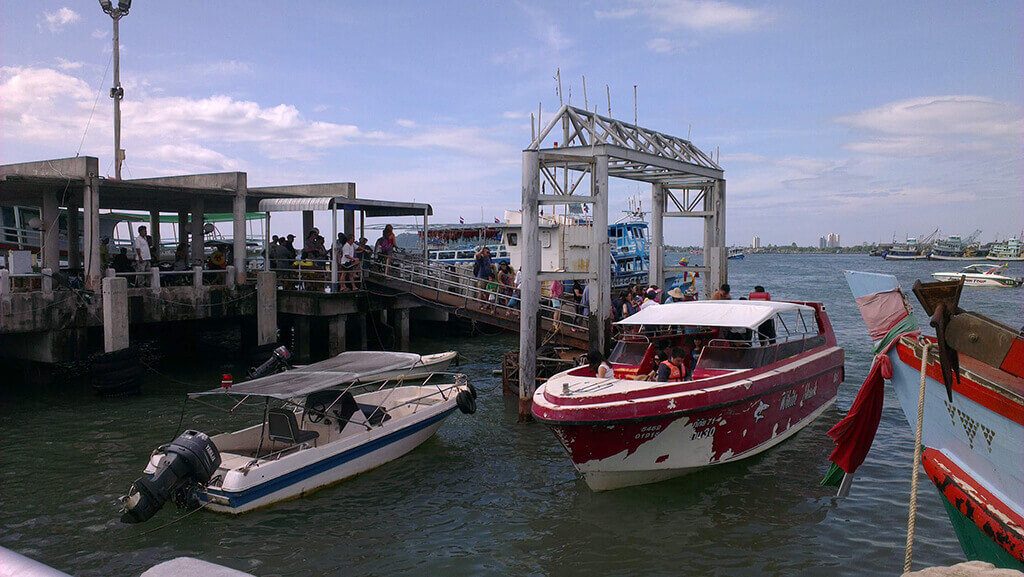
(993,517)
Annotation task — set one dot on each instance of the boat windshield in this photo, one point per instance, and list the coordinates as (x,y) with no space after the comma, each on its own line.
(629,352)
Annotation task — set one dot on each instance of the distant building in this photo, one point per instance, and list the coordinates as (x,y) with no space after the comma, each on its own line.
(822,243)
(756,243)
(832,241)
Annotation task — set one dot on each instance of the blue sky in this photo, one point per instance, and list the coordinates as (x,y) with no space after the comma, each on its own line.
(867,119)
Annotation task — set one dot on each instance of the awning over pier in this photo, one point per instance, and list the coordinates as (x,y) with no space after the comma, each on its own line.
(371,208)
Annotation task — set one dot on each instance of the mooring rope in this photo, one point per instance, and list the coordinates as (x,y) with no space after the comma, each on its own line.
(911,521)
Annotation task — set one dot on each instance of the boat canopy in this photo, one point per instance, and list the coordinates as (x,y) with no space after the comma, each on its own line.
(348,367)
(748,314)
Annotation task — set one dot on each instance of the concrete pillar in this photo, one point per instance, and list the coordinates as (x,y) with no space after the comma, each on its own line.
(723,253)
(115,314)
(657,275)
(229,276)
(47,282)
(349,227)
(401,324)
(303,336)
(600,266)
(336,327)
(238,227)
(154,282)
(5,284)
(50,234)
(709,285)
(530,290)
(197,277)
(74,234)
(198,220)
(266,308)
(182,227)
(154,231)
(91,205)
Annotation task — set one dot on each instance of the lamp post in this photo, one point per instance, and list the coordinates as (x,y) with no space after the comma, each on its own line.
(117,93)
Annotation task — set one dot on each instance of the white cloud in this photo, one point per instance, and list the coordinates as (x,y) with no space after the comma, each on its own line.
(65,64)
(514,115)
(99,34)
(548,44)
(405,123)
(704,15)
(56,21)
(936,125)
(43,106)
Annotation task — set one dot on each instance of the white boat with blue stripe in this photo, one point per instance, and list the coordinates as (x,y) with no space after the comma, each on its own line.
(322,423)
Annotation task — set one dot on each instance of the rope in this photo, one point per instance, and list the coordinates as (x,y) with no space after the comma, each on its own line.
(168,524)
(911,520)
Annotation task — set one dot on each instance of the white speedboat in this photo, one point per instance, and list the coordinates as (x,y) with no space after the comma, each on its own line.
(401,365)
(322,423)
(980,275)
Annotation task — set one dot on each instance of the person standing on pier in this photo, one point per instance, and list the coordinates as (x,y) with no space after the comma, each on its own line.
(482,270)
(349,262)
(142,254)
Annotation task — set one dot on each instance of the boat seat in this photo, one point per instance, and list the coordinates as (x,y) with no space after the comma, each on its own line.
(375,414)
(282,427)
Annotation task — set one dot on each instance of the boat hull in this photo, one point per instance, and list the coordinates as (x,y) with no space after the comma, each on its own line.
(615,452)
(979,280)
(316,468)
(973,452)
(934,256)
(1005,258)
(890,256)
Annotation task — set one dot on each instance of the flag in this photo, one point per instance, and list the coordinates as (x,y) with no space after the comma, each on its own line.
(462,220)
(497,220)
(586,208)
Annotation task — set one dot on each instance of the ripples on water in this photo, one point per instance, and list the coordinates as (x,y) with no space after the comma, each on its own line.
(486,495)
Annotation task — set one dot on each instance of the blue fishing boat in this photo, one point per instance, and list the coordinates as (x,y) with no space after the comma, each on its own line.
(973,400)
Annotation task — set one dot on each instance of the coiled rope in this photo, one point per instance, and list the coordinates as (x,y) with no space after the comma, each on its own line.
(911,520)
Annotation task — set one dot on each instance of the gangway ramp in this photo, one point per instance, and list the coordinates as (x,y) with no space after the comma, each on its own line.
(450,288)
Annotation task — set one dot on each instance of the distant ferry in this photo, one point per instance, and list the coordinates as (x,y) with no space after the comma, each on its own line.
(459,243)
(908,250)
(736,253)
(1011,250)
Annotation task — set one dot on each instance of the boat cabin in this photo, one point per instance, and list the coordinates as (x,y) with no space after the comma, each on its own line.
(717,337)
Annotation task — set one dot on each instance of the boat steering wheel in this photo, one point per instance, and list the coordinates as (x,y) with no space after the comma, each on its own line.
(316,412)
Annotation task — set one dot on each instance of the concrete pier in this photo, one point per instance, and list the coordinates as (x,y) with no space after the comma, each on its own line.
(115,314)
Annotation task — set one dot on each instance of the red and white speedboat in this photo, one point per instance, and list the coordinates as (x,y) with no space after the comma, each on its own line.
(763,371)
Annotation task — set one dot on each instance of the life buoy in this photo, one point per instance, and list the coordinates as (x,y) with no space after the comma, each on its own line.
(760,296)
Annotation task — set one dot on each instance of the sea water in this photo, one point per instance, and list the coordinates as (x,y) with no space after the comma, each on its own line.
(485,496)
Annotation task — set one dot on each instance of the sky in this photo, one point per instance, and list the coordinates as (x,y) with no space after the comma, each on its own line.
(872,120)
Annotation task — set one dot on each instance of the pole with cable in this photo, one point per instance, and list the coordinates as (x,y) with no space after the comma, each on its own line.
(117,92)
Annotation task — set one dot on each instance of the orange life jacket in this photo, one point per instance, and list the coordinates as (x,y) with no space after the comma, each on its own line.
(760,296)
(675,373)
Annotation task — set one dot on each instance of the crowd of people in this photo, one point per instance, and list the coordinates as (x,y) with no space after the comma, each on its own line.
(351,257)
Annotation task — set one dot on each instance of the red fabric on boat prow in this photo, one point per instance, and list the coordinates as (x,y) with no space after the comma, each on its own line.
(854,434)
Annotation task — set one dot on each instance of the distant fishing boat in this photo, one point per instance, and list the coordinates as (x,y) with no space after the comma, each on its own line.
(736,254)
(1011,250)
(954,247)
(973,430)
(908,250)
(980,275)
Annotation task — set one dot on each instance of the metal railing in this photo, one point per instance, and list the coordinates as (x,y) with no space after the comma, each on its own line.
(455,280)
(315,275)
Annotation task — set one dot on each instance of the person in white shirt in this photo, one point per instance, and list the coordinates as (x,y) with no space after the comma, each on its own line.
(142,254)
(349,262)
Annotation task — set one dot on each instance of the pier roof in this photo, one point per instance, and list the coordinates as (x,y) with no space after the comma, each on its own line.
(371,208)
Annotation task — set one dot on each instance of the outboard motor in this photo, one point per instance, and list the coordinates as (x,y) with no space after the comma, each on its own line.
(189,461)
(278,360)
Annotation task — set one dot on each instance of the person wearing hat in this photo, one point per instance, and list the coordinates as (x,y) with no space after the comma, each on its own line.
(675,295)
(289,244)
